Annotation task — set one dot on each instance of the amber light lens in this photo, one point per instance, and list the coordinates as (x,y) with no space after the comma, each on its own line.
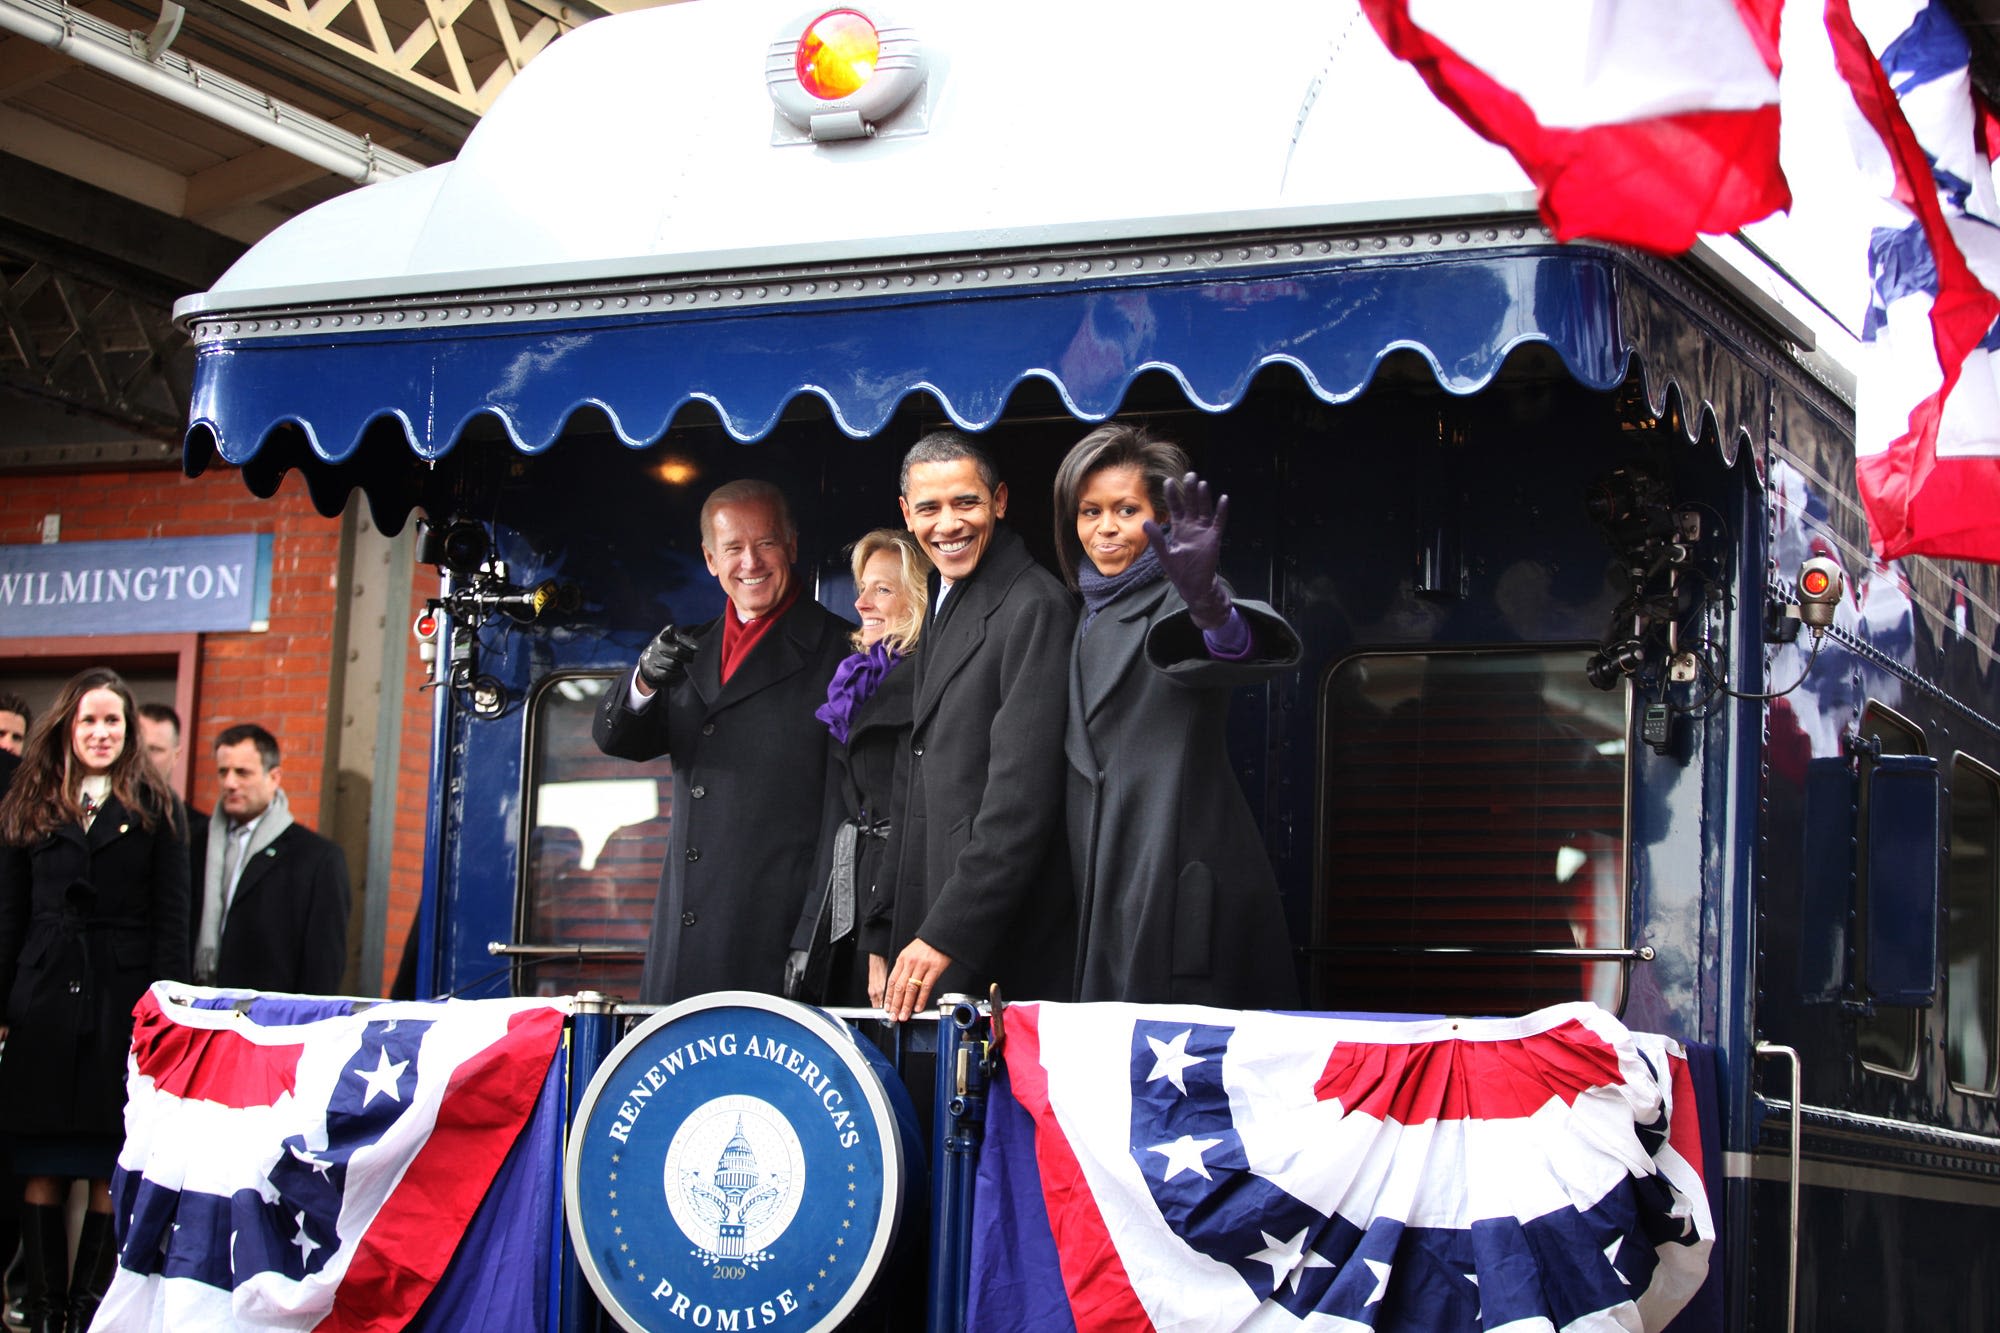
(837,54)
(1816,582)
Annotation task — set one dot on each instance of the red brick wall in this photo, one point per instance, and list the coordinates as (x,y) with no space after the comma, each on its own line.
(278,678)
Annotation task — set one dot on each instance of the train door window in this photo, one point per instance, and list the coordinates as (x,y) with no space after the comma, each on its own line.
(596,837)
(1887,1040)
(1473,821)
(1972,929)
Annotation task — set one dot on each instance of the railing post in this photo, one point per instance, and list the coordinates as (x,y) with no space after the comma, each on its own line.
(593,1031)
(959,1124)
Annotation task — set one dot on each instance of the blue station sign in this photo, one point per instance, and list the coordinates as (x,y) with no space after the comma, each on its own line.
(737,1163)
(156,586)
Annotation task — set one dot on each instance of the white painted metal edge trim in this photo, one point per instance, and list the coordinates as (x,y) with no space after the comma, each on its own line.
(1412,214)
(1202,258)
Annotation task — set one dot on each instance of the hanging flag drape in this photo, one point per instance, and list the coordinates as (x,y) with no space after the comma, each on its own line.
(1927,429)
(1191,1169)
(1640,123)
(295,1163)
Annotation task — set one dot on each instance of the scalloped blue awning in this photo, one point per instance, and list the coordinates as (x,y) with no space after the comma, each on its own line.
(330,400)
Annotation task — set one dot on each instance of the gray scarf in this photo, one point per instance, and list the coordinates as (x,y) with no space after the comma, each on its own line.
(277,817)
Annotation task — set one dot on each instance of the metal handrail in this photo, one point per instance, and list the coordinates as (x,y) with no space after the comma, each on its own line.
(1766,1050)
(501,949)
(1643,954)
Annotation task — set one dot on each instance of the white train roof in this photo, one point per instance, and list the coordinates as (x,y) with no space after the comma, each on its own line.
(1079,194)
(646,143)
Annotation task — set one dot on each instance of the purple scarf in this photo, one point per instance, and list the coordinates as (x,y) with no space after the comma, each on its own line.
(1100,592)
(853,681)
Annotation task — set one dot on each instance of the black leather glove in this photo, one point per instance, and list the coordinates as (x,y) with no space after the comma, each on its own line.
(797,962)
(666,658)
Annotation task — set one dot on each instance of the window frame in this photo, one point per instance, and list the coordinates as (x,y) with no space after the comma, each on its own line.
(1322,805)
(1976,770)
(530,804)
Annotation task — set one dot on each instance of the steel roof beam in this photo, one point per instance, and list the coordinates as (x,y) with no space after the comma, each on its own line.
(455,55)
(115,51)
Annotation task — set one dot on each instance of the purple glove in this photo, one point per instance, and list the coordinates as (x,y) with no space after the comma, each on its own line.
(1191,548)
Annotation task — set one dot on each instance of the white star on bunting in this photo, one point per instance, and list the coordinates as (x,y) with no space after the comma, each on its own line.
(305,1243)
(1611,1257)
(1381,1272)
(1289,1259)
(1185,1154)
(314,1160)
(382,1079)
(1170,1058)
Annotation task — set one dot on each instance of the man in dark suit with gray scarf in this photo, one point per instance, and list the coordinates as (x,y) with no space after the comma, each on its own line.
(272,894)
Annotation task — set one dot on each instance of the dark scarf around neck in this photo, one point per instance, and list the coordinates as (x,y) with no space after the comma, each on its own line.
(1100,592)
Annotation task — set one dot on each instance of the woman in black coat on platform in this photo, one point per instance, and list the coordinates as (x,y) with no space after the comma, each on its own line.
(1176,902)
(840,950)
(93,910)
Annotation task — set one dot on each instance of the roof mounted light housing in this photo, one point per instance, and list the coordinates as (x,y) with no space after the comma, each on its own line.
(837,55)
(844,73)
(1821,583)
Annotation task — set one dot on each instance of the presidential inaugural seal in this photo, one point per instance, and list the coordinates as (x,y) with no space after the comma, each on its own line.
(738,1162)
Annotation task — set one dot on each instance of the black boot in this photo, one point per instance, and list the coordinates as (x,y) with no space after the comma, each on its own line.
(13,1316)
(96,1262)
(44,1266)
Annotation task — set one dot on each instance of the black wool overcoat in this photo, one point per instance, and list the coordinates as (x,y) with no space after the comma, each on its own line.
(87,922)
(750,765)
(286,928)
(982,874)
(194,824)
(1175,896)
(867,785)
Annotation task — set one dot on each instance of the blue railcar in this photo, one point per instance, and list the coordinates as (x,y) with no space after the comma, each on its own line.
(1540,513)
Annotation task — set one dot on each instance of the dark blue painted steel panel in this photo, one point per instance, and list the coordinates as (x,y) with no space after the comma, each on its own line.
(1731,917)
(863,356)
(1826,893)
(1903,879)
(1886,1259)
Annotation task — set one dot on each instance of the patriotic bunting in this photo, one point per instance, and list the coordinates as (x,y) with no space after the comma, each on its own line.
(294,1163)
(1198,1169)
(1644,124)
(1927,422)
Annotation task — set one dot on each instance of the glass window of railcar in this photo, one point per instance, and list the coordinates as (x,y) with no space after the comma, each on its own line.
(1473,802)
(1887,1042)
(1972,931)
(596,836)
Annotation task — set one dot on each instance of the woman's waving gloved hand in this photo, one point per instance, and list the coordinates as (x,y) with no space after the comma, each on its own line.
(1190,548)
